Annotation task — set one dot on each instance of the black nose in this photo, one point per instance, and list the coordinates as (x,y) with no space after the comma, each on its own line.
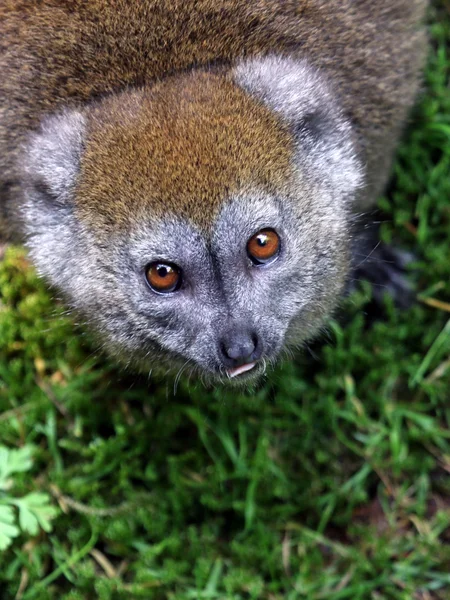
(239,347)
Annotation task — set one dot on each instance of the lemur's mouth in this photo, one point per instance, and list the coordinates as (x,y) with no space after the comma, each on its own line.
(239,370)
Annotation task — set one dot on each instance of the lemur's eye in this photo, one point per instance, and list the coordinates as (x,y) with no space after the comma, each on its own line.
(163,278)
(264,247)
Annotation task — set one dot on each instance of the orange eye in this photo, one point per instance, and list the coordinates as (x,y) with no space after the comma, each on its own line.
(264,247)
(163,278)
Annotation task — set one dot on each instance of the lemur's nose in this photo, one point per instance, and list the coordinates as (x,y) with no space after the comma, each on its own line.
(239,347)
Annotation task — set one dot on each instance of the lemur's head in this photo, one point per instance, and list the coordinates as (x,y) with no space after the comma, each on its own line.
(202,221)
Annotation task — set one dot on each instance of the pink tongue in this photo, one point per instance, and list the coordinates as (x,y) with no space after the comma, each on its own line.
(239,370)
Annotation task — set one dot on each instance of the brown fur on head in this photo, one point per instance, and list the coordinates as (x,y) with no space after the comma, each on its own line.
(178,148)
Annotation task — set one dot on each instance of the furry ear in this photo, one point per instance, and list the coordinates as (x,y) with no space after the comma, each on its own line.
(304,99)
(52,157)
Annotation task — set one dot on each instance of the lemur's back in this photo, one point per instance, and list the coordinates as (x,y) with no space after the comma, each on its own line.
(54,52)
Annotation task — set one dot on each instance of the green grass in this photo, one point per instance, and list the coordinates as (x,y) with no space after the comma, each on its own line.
(331,482)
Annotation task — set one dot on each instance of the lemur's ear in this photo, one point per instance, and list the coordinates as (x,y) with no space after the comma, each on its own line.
(52,157)
(303,98)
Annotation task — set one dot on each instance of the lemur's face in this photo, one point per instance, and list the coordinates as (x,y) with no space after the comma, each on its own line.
(202,224)
(225,304)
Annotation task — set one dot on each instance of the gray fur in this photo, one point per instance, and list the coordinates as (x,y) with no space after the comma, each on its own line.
(51,165)
(53,154)
(303,97)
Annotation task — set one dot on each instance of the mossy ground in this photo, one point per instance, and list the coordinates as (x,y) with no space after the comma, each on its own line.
(332,481)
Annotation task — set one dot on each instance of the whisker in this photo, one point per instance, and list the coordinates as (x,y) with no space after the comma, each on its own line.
(178,376)
(369,255)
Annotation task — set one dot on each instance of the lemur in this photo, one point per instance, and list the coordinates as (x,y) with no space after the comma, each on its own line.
(188,173)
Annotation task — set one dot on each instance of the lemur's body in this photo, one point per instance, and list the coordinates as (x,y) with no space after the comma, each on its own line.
(179,119)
